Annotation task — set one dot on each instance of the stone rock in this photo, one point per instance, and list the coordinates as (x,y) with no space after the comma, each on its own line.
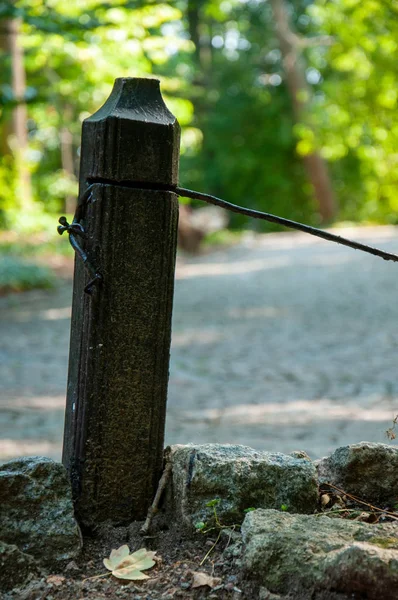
(15,566)
(300,454)
(309,554)
(240,478)
(366,470)
(36,510)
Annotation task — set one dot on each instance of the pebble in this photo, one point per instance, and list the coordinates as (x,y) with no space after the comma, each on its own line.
(185,585)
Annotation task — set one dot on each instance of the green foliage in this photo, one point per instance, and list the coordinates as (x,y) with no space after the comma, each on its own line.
(7,190)
(17,275)
(213,503)
(356,108)
(72,54)
(223,237)
(215,523)
(248,150)
(223,77)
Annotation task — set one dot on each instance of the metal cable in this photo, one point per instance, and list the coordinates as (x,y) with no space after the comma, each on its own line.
(256,214)
(249,212)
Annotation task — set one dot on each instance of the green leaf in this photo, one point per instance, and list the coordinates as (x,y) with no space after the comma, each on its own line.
(214,502)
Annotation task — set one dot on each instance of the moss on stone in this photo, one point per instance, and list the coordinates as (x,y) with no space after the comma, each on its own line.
(388,542)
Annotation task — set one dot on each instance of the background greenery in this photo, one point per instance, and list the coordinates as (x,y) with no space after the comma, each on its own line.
(223,76)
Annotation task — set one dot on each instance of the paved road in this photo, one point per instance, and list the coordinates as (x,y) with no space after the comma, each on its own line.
(282,342)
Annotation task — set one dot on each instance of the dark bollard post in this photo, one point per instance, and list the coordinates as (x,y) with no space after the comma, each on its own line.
(121,331)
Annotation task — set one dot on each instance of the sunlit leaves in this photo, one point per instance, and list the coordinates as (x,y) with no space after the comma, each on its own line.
(237,138)
(73,51)
(356,115)
(191,140)
(182,108)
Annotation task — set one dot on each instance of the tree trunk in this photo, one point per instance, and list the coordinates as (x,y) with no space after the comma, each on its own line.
(200,34)
(15,132)
(315,166)
(193,7)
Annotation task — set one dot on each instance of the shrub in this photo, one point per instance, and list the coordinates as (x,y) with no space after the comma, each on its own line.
(17,275)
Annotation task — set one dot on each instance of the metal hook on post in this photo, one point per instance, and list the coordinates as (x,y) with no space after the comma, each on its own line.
(76,229)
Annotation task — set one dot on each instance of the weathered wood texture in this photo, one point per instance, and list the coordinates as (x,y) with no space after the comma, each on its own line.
(120,336)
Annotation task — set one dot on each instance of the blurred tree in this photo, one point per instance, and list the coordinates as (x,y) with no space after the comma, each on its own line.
(72,56)
(223,74)
(15,131)
(290,46)
(356,103)
(243,111)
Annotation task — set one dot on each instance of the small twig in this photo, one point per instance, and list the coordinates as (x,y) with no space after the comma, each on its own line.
(335,510)
(97,576)
(216,516)
(211,549)
(230,536)
(203,531)
(219,526)
(155,504)
(390,433)
(391,514)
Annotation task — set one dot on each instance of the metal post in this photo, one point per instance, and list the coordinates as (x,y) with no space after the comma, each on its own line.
(121,332)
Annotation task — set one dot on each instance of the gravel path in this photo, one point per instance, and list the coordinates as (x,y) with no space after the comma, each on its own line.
(282,342)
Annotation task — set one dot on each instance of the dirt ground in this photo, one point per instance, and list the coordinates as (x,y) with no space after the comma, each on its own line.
(177,561)
(281,342)
(182,563)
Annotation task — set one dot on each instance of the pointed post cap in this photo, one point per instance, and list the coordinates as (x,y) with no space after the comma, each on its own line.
(132,138)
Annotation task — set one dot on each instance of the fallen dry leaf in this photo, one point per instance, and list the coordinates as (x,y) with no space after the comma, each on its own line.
(116,557)
(340,501)
(364,516)
(325,499)
(124,565)
(200,579)
(55,579)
